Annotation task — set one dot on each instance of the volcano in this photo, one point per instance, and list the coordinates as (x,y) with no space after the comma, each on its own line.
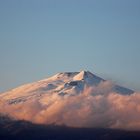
(75,99)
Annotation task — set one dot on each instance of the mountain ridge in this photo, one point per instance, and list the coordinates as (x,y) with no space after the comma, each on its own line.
(63,83)
(87,76)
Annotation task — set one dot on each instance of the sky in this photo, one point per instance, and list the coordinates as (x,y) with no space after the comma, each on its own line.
(39,38)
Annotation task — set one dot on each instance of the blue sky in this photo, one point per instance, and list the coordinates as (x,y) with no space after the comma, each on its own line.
(39,38)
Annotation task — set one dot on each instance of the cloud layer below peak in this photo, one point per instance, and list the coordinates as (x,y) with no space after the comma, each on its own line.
(96,107)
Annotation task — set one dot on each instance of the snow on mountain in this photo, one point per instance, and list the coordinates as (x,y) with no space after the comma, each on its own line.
(62,83)
(70,98)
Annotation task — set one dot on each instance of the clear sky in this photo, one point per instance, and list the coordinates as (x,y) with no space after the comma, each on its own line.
(39,38)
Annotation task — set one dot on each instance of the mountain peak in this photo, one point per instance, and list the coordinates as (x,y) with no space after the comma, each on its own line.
(83,75)
(64,83)
(88,77)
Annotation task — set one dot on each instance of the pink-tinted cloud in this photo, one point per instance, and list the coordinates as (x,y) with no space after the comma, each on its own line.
(94,107)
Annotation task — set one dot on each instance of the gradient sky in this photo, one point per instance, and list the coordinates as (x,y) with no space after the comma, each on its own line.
(39,38)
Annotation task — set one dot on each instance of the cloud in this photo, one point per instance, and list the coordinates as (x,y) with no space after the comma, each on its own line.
(94,107)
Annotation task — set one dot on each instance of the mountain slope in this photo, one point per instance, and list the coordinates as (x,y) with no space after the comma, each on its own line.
(68,81)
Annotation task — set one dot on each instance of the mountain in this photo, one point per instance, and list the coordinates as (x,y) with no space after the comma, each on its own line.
(63,99)
(64,84)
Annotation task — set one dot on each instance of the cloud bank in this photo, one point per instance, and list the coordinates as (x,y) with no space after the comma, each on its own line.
(96,107)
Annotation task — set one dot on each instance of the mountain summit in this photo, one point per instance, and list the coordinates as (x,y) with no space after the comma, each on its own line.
(61,84)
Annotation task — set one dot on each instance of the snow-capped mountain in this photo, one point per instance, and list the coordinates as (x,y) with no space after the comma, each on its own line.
(55,99)
(61,84)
